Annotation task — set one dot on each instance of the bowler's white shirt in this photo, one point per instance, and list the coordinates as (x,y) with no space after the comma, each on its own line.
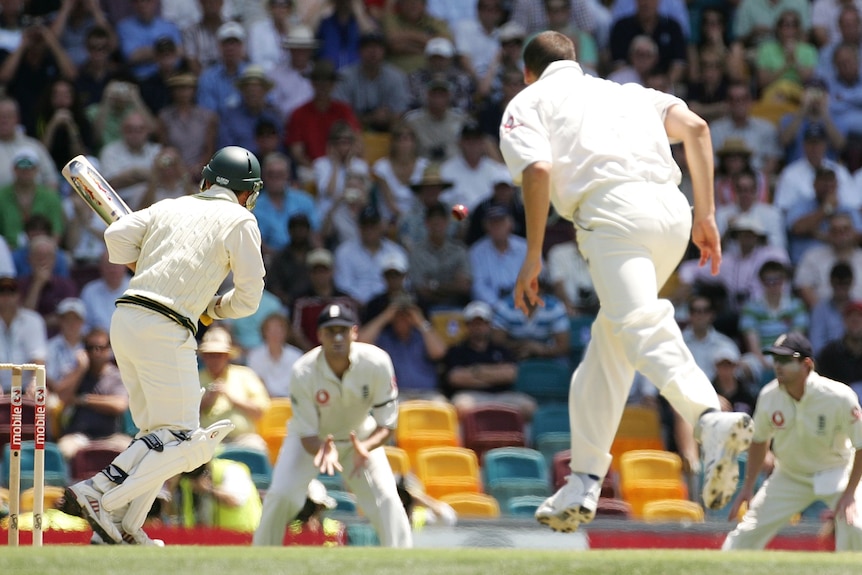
(814,434)
(365,396)
(595,133)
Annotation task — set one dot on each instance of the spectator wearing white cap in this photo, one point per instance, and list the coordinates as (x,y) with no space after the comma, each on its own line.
(216,86)
(440,62)
(24,196)
(734,392)
(292,86)
(394,268)
(479,371)
(66,349)
(739,266)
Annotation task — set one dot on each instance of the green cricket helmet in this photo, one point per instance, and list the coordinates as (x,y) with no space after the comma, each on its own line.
(237,169)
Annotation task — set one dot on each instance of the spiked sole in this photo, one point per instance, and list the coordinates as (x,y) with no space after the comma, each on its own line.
(723,477)
(74,506)
(568,520)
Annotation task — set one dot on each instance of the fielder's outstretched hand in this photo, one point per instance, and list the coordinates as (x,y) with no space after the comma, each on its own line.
(326,458)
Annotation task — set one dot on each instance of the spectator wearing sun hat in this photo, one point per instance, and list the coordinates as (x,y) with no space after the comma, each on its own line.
(292,86)
(65,348)
(237,121)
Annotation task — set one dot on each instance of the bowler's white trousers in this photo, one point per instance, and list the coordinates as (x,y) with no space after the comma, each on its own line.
(374,488)
(781,497)
(632,237)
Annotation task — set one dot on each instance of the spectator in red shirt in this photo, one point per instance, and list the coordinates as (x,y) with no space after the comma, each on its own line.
(308,127)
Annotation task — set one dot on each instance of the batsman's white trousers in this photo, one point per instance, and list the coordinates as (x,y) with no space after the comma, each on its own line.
(781,497)
(159,367)
(632,236)
(374,488)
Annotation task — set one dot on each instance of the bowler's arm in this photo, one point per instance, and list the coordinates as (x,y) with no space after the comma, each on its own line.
(682,124)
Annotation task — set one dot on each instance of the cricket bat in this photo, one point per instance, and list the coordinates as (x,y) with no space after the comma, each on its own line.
(95,190)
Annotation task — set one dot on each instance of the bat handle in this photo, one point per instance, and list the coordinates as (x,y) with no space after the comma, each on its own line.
(206,320)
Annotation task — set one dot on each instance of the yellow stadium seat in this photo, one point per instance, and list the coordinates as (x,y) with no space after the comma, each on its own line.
(473,505)
(426,424)
(444,470)
(273,445)
(623,445)
(647,475)
(375,145)
(642,422)
(274,419)
(673,510)
(398,459)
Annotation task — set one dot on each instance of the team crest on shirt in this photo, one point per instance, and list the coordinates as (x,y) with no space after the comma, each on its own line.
(511,124)
(777,419)
(322,397)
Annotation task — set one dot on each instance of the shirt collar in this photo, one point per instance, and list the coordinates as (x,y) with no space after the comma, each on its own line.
(217,192)
(554,67)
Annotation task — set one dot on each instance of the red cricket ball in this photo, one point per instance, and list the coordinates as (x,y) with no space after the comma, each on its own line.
(459,211)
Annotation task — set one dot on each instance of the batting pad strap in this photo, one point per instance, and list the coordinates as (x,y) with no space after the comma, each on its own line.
(155,467)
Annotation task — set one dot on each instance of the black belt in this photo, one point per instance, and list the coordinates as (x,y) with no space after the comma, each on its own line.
(159,308)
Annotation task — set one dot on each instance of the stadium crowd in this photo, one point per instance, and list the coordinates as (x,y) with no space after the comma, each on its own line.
(371,119)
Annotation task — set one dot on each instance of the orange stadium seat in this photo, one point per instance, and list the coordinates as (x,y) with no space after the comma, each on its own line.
(426,424)
(673,510)
(472,505)
(444,470)
(399,461)
(647,475)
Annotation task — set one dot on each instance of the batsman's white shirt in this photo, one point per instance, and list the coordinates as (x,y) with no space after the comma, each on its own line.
(184,249)
(365,397)
(817,433)
(603,134)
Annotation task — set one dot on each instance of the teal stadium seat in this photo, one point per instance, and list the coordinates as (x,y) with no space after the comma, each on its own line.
(515,471)
(56,470)
(550,431)
(345,501)
(545,380)
(257,462)
(524,505)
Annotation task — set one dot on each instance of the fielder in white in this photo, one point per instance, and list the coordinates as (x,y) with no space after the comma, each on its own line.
(815,425)
(181,251)
(601,153)
(345,406)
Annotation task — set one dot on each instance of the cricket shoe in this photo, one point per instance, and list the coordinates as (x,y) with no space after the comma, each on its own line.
(572,505)
(84,500)
(140,537)
(723,436)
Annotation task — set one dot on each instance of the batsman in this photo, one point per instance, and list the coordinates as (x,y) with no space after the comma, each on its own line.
(180,250)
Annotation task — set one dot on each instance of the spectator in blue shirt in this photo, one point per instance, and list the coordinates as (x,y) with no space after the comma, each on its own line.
(237,122)
(139,33)
(216,88)
(496,258)
(279,202)
(339,33)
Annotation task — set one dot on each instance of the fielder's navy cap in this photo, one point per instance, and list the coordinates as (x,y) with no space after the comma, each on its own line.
(790,345)
(336,314)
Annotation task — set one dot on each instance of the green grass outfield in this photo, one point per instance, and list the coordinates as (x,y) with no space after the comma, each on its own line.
(180,560)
